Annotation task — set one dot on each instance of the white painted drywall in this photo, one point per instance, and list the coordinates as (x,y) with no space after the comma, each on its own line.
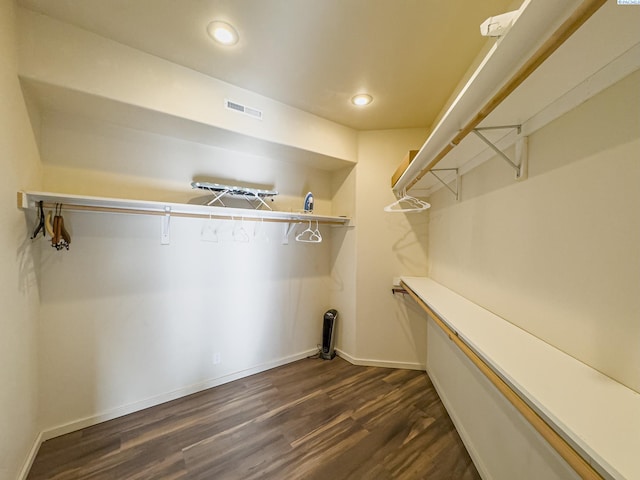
(93,157)
(65,57)
(344,261)
(388,245)
(18,275)
(557,254)
(126,320)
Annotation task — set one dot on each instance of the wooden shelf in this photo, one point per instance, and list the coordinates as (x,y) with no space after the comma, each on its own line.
(406,161)
(141,207)
(508,89)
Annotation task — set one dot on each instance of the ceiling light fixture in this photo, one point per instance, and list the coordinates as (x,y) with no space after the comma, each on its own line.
(362,99)
(223,33)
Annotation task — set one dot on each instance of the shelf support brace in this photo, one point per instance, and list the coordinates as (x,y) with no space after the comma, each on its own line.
(456,192)
(521,151)
(288,228)
(164,237)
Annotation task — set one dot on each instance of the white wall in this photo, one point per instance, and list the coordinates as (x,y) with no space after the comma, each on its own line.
(18,275)
(67,59)
(126,322)
(557,254)
(92,157)
(344,261)
(387,245)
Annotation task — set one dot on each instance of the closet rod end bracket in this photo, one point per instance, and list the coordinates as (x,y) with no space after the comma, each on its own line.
(23,200)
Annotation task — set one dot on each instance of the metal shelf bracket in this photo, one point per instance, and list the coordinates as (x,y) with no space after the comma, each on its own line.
(456,192)
(520,165)
(288,228)
(166,218)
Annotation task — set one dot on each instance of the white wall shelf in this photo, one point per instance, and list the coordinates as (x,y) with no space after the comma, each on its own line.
(27,200)
(582,66)
(596,416)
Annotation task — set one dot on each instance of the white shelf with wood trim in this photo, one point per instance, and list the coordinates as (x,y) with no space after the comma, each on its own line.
(142,207)
(590,419)
(536,72)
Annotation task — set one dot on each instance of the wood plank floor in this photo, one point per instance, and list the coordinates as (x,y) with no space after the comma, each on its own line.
(311,419)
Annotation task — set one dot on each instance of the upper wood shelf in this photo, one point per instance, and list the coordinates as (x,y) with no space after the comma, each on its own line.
(536,72)
(406,161)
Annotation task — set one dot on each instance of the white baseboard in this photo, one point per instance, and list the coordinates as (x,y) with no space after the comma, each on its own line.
(31,456)
(368,362)
(165,397)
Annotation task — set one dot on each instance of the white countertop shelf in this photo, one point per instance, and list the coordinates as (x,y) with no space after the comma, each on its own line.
(597,416)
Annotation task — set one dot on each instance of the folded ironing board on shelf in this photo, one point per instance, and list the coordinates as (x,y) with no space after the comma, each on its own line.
(254,196)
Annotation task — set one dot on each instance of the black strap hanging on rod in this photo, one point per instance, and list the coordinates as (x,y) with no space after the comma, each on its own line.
(40,222)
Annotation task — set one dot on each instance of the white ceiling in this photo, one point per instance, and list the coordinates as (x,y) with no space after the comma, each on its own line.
(311,54)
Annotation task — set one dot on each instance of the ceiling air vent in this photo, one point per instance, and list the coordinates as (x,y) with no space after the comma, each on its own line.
(238,107)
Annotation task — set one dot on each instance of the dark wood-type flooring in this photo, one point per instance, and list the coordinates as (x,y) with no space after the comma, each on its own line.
(311,419)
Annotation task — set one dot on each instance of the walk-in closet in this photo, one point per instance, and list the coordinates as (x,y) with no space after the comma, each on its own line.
(346,239)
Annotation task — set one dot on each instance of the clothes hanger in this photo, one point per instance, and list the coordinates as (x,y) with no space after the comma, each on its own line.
(239,233)
(65,235)
(40,226)
(259,233)
(48,226)
(209,233)
(415,205)
(61,238)
(316,232)
(313,237)
(56,229)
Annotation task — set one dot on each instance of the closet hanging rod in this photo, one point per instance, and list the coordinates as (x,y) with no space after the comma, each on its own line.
(138,211)
(580,15)
(76,203)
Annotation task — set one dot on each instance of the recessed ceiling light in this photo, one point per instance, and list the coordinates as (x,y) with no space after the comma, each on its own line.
(223,33)
(361,99)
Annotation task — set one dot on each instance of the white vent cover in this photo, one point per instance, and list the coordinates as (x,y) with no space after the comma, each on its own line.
(238,107)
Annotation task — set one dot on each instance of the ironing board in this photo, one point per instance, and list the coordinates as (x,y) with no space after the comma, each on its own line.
(254,196)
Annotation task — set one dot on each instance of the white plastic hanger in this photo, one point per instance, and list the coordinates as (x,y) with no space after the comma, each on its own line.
(259,233)
(209,232)
(316,233)
(310,236)
(415,205)
(239,233)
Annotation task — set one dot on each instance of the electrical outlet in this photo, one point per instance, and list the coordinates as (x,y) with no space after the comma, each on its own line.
(217,358)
